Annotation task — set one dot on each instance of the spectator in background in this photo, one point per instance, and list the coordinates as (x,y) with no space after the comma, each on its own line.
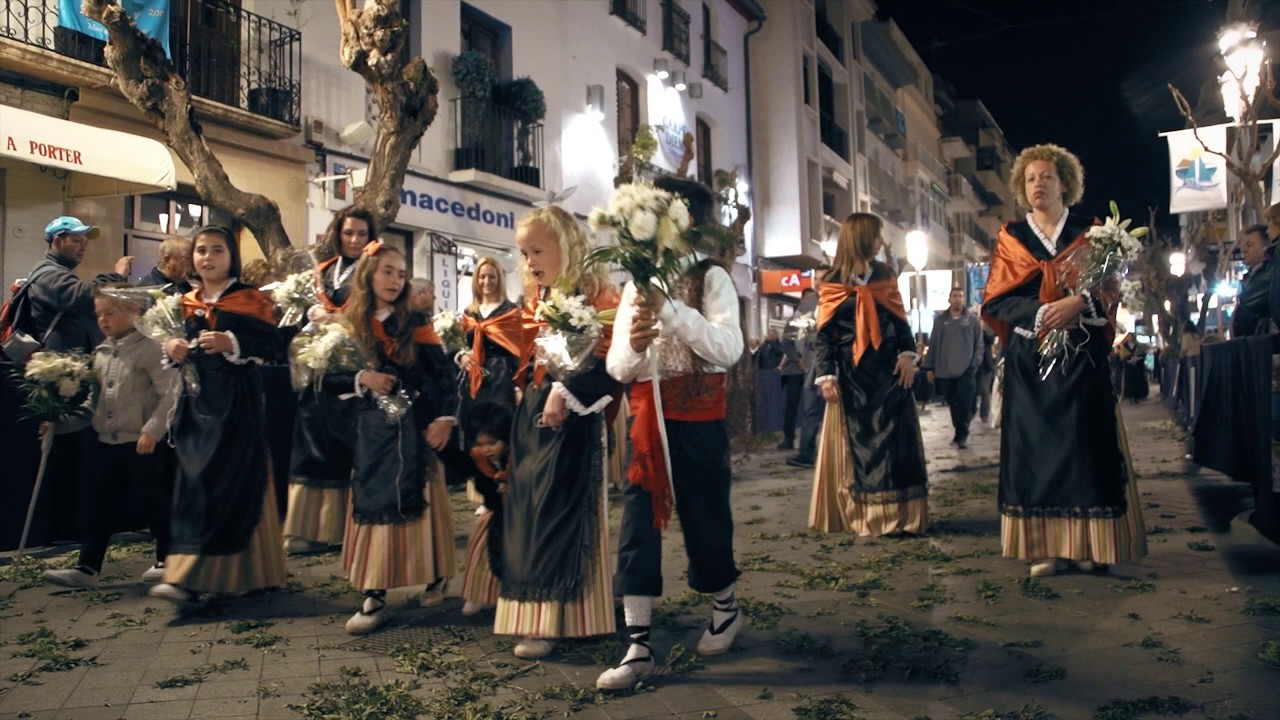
(61,304)
(423,297)
(812,406)
(955,352)
(1253,307)
(173,266)
(986,373)
(792,366)
(769,356)
(1190,340)
(1272,216)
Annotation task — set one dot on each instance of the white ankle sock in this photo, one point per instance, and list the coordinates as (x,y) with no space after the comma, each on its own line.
(725,606)
(638,612)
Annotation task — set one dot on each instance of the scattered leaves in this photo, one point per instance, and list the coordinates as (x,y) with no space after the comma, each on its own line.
(893,645)
(1043,673)
(1153,705)
(1036,590)
(198,675)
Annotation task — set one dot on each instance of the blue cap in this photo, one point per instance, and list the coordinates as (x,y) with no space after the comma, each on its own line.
(67,225)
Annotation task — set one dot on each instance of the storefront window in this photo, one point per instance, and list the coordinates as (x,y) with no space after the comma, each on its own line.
(150,219)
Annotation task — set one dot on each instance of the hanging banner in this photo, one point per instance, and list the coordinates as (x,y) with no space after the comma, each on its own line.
(1197,178)
(151,17)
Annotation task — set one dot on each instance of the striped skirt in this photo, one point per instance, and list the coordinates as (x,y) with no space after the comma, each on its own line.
(419,552)
(260,565)
(316,514)
(592,614)
(478,584)
(1106,541)
(835,507)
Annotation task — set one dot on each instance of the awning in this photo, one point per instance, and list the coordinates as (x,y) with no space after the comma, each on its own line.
(102,162)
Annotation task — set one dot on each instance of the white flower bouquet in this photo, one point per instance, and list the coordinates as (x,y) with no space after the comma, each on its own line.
(1131,294)
(325,348)
(804,323)
(573,330)
(294,296)
(1112,247)
(648,227)
(56,384)
(448,325)
(164,321)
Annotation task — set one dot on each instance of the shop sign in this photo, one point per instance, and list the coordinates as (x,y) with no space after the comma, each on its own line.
(773,282)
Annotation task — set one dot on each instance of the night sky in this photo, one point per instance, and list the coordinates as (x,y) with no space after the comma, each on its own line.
(1089,75)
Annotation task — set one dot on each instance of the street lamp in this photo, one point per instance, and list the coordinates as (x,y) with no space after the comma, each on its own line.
(1244,54)
(917,258)
(1177,264)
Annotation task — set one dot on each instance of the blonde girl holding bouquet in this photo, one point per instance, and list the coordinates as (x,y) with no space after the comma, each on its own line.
(554,571)
(399,529)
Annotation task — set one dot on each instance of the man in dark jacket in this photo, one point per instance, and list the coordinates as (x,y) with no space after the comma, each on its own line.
(173,266)
(61,304)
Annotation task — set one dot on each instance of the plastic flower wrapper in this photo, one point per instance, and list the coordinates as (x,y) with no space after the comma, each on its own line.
(1112,247)
(573,330)
(448,325)
(804,323)
(294,296)
(55,385)
(394,406)
(648,227)
(322,349)
(164,321)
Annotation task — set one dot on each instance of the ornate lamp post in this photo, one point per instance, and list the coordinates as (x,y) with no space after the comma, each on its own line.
(917,258)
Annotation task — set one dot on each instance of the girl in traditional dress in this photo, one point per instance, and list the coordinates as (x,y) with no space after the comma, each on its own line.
(225,527)
(489,428)
(865,363)
(1067,489)
(399,531)
(554,566)
(324,431)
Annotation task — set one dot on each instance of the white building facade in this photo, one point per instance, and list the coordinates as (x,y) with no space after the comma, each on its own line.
(478,168)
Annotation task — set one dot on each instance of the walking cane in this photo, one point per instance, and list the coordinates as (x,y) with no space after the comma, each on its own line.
(46,446)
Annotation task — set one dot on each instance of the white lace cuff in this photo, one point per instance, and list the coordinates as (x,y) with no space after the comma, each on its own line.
(576,405)
(1023,332)
(915,357)
(234,356)
(824,378)
(360,389)
(1039,320)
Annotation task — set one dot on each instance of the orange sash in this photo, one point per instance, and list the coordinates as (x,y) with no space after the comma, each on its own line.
(689,398)
(484,466)
(1014,265)
(424,334)
(507,330)
(867,331)
(329,306)
(246,301)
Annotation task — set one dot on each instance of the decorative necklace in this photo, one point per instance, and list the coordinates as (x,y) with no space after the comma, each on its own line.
(340,277)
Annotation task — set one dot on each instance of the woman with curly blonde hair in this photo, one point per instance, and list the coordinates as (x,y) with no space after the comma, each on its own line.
(1067,491)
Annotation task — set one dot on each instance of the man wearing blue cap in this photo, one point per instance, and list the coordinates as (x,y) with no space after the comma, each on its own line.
(61,304)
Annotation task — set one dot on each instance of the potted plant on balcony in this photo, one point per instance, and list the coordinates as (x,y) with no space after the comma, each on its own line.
(271,90)
(528,106)
(475,76)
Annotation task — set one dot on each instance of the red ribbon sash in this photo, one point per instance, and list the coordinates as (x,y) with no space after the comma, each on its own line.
(507,330)
(246,301)
(883,292)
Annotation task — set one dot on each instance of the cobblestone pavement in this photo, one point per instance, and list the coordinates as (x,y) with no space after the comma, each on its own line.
(940,627)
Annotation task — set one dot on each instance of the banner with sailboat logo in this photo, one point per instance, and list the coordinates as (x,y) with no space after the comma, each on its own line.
(1197,178)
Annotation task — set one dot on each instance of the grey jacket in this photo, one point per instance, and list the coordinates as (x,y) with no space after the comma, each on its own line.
(955,346)
(58,289)
(135,394)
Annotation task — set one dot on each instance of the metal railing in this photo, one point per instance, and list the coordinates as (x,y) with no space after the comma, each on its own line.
(632,12)
(675,30)
(490,138)
(960,187)
(226,54)
(715,65)
(929,161)
(830,37)
(833,136)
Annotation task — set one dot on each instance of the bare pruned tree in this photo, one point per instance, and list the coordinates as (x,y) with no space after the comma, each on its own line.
(374,44)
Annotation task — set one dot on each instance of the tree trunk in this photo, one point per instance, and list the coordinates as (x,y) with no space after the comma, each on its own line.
(149,80)
(375,46)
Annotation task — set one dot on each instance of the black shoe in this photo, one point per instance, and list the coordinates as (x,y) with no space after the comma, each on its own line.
(800,461)
(787,445)
(962,443)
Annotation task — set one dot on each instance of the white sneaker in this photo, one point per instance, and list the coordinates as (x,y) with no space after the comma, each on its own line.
(626,675)
(154,574)
(433,594)
(363,623)
(172,593)
(473,608)
(716,641)
(1045,568)
(533,648)
(295,546)
(71,577)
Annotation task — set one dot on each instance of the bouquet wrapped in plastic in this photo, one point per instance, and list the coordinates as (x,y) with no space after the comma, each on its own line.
(164,321)
(56,384)
(448,325)
(573,330)
(1097,264)
(294,296)
(323,349)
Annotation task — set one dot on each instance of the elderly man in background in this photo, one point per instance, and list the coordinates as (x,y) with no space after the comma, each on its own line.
(422,297)
(173,266)
(955,354)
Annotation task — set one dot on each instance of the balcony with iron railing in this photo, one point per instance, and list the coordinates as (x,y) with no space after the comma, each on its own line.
(224,53)
(632,12)
(833,136)
(490,138)
(715,64)
(675,30)
(960,188)
(928,161)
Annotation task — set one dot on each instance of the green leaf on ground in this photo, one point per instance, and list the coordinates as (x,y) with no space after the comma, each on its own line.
(1153,705)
